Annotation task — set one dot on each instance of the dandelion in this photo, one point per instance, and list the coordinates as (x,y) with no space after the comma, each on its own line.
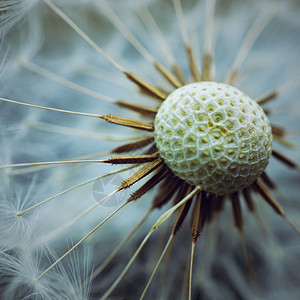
(194,137)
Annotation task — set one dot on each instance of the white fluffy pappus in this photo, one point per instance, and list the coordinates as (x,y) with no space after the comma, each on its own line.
(21,271)
(45,62)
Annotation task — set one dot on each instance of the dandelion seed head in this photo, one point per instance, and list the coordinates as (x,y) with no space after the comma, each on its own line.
(213,135)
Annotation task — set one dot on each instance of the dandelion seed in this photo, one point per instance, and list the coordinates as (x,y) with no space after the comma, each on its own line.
(199,150)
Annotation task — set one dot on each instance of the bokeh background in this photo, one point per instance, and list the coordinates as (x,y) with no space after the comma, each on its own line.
(32,32)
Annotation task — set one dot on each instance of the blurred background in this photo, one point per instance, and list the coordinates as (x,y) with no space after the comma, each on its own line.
(32,37)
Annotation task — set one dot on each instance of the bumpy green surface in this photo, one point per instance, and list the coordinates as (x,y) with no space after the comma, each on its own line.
(213,135)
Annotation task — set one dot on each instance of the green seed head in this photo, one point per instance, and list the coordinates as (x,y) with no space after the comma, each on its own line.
(213,135)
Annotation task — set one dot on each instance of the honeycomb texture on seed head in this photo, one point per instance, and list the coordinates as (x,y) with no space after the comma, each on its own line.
(213,135)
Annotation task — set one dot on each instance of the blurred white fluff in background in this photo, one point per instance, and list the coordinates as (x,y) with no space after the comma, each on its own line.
(32,33)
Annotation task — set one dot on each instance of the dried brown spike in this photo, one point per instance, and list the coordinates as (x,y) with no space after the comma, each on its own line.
(284,142)
(277,130)
(214,205)
(178,73)
(133,146)
(207,59)
(217,204)
(231,76)
(149,184)
(152,90)
(137,159)
(182,192)
(163,198)
(137,108)
(166,191)
(237,211)
(181,216)
(267,180)
(267,97)
(152,149)
(263,191)
(127,122)
(197,219)
(289,162)
(248,199)
(141,173)
(168,75)
(209,208)
(203,209)
(192,64)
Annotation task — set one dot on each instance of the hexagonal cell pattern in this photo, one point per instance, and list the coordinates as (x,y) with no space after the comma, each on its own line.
(213,135)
